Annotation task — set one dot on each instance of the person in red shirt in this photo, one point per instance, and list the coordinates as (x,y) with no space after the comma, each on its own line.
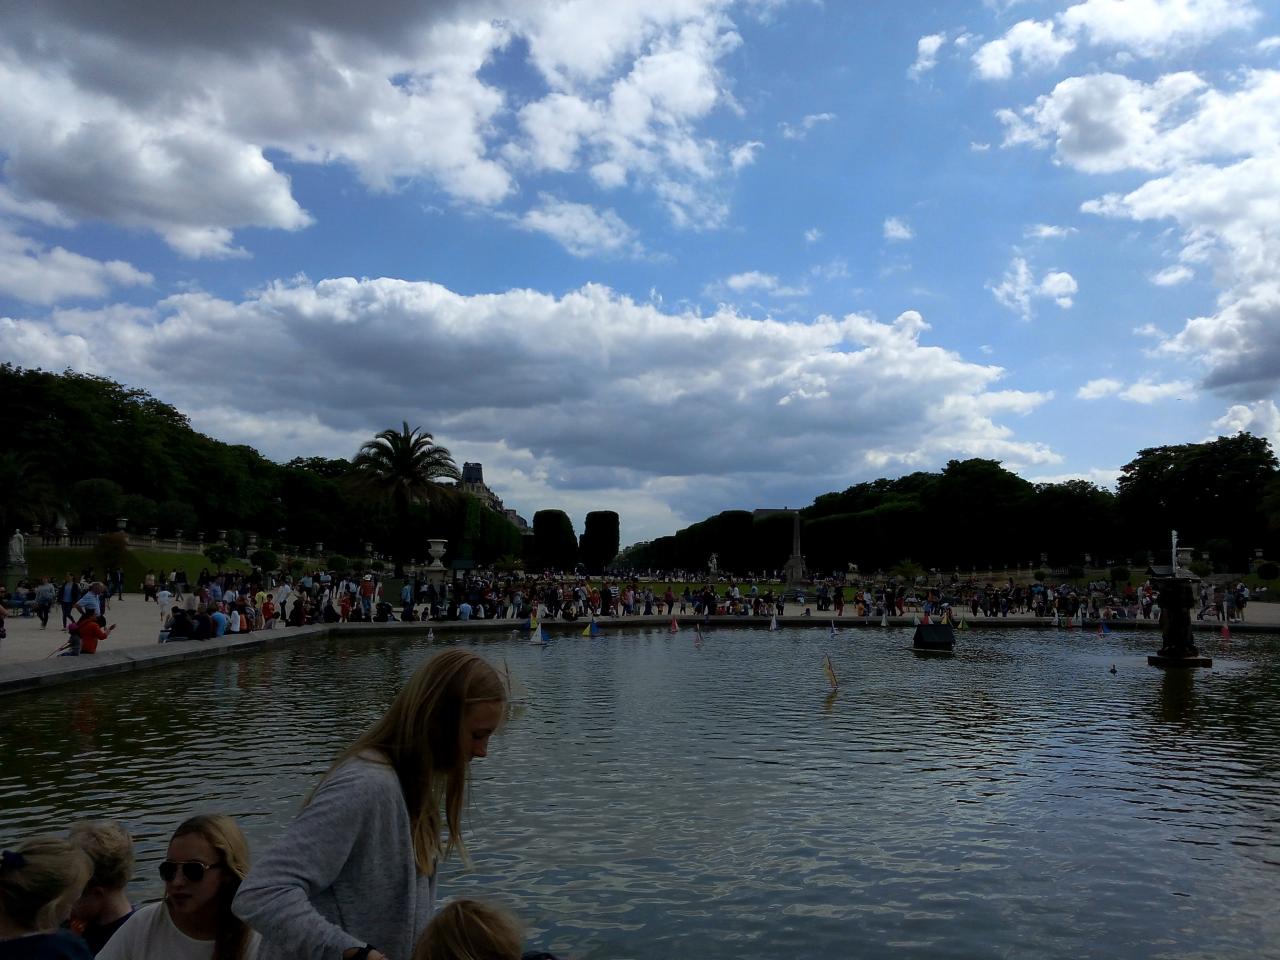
(92,633)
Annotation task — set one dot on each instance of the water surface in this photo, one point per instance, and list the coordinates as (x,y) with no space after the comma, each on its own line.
(655,797)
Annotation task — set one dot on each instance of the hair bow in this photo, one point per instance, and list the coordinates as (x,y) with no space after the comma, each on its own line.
(12,860)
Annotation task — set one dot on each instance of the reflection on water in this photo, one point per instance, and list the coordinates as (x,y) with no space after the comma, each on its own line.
(655,797)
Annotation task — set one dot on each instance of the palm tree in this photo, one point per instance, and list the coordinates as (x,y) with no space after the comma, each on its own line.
(402,467)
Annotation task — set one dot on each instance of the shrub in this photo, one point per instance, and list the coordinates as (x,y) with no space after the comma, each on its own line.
(1039,576)
(377,566)
(1120,574)
(338,562)
(110,552)
(1201,568)
(218,554)
(264,560)
(1268,571)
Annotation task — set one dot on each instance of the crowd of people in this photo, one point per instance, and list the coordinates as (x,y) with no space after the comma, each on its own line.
(213,605)
(352,876)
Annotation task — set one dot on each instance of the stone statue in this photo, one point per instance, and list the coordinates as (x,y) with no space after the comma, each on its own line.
(17,549)
(712,564)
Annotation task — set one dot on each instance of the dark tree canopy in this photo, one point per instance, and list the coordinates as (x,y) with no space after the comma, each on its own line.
(554,543)
(600,540)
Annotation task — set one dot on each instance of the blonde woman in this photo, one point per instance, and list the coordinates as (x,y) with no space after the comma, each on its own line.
(207,859)
(354,875)
(39,880)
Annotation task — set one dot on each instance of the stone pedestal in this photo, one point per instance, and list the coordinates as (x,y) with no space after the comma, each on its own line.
(1177,597)
(14,573)
(793,571)
(435,571)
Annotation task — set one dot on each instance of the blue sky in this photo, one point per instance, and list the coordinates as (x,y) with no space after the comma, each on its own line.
(664,257)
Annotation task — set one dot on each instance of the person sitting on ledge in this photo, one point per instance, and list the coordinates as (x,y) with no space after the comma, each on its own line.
(330,614)
(89,633)
(180,626)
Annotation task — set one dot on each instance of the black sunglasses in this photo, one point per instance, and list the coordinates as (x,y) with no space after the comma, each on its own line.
(193,870)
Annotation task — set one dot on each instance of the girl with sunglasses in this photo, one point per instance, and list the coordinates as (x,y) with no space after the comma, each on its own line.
(354,875)
(207,858)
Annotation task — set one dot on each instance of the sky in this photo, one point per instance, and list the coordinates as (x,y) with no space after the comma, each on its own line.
(665,257)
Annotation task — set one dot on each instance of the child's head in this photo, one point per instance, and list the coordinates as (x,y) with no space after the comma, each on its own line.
(39,880)
(110,849)
(471,930)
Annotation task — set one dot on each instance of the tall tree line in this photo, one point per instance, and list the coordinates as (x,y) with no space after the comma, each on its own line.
(92,450)
(1223,497)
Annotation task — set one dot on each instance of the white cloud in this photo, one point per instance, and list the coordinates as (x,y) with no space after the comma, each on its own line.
(559,376)
(1105,477)
(1268,44)
(1018,288)
(1102,387)
(751,280)
(174,124)
(1148,391)
(764,282)
(1261,418)
(1136,28)
(38,211)
(1060,287)
(1047,231)
(897,229)
(1035,43)
(581,229)
(927,48)
(744,154)
(1215,159)
(1152,28)
(31,272)
(808,123)
(812,235)
(977,147)
(1150,331)
(1173,275)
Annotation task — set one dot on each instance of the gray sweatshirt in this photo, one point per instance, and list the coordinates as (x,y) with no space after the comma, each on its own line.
(343,874)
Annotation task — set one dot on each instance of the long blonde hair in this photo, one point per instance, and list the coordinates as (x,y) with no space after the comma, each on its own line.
(40,879)
(471,930)
(419,738)
(224,835)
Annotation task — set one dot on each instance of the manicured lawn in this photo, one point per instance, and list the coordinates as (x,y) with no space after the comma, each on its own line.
(54,562)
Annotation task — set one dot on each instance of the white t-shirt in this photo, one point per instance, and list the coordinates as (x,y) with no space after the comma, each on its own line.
(150,935)
(164,599)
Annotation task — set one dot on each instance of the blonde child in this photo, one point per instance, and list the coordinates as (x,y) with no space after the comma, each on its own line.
(471,930)
(39,880)
(103,906)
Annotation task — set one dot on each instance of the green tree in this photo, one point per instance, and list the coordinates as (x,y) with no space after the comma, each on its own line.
(401,468)
(339,563)
(1268,571)
(1120,574)
(96,502)
(217,554)
(554,543)
(599,542)
(27,492)
(140,511)
(1205,491)
(174,515)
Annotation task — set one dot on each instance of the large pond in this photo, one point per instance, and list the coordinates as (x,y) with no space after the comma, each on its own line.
(653,796)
